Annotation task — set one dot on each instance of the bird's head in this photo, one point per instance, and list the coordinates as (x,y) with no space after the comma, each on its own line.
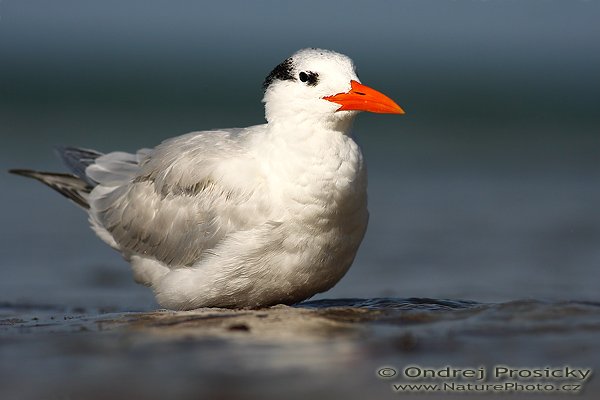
(316,85)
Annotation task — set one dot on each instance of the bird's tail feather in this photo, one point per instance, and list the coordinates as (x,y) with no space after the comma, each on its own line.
(75,186)
(71,186)
(77,160)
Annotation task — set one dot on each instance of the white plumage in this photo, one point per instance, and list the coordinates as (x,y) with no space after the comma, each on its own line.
(247,217)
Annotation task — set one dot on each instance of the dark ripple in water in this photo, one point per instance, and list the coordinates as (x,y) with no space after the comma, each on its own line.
(392,303)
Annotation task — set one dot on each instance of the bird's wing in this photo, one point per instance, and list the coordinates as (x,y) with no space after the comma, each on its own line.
(181,199)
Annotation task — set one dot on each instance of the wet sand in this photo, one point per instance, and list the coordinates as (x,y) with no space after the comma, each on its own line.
(319,349)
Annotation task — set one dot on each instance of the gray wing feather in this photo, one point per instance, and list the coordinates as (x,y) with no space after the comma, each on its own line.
(170,203)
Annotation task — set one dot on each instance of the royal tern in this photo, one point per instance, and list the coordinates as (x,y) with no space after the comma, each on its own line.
(244,217)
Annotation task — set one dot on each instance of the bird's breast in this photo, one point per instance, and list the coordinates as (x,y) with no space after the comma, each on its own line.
(326,217)
(323,194)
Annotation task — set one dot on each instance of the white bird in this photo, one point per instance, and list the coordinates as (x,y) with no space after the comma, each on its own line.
(240,218)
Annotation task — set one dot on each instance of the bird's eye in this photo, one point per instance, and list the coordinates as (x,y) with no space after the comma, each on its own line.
(308,77)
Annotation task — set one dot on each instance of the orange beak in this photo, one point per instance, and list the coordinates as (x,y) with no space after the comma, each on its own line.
(363,98)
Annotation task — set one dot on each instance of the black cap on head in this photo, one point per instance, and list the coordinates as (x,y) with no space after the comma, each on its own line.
(281,72)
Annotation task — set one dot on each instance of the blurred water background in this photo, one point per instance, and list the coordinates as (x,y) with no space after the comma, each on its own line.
(487,189)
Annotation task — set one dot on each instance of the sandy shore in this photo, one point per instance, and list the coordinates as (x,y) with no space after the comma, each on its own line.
(321,349)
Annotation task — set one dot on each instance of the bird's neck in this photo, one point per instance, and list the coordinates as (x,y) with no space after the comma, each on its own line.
(302,127)
(301,145)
